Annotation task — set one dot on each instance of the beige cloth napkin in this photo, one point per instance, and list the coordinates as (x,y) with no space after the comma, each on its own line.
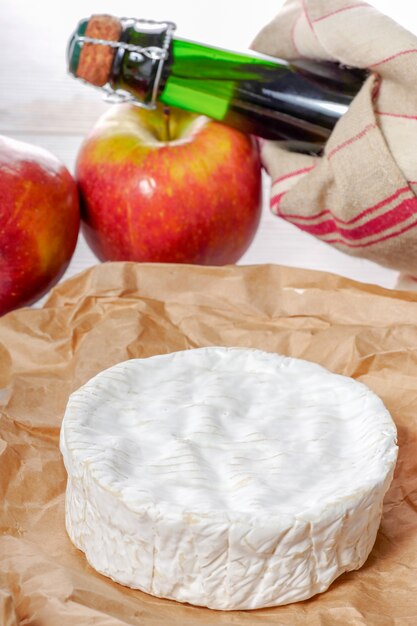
(360,195)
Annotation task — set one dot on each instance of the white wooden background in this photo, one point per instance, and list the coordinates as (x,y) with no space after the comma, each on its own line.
(41,104)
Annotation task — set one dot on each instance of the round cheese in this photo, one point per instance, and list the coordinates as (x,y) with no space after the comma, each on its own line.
(225,477)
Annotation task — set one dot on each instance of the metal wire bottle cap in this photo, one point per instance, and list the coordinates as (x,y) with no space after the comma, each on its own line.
(93,46)
(90,61)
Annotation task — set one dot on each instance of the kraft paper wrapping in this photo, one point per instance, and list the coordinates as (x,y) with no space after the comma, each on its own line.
(119,311)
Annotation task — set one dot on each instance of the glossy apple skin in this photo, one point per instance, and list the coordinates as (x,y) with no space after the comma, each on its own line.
(194,199)
(39,222)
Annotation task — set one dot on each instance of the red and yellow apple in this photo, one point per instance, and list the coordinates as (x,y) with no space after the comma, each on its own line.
(168,187)
(39,222)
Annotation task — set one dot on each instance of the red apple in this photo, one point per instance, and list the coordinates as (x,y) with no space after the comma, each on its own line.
(39,222)
(174,187)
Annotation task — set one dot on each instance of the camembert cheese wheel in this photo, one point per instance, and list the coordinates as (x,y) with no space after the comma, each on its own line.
(229,478)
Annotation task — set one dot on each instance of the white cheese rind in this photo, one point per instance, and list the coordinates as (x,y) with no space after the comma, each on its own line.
(225,477)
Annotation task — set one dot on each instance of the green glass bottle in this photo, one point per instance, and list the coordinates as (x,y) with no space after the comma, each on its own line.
(296,102)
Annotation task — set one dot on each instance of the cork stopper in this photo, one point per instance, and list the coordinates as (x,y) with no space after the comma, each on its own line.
(89,61)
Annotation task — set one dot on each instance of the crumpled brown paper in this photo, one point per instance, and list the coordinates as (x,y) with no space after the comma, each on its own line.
(118,311)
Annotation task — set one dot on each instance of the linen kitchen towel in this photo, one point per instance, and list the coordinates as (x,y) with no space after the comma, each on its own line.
(360,194)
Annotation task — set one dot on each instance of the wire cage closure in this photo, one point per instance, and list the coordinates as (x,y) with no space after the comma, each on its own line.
(158,54)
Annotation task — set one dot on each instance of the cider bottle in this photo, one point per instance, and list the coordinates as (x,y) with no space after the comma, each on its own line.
(297,102)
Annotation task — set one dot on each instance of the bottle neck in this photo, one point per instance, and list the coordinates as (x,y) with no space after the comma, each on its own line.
(204,79)
(196,77)
(138,73)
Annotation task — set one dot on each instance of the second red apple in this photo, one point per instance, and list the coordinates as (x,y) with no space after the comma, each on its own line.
(171,187)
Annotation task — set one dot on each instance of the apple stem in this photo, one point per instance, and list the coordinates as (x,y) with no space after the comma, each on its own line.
(166,121)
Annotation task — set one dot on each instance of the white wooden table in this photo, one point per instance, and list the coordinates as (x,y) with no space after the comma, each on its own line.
(41,104)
